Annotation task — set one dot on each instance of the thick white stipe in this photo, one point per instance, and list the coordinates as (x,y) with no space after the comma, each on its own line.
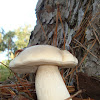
(49,84)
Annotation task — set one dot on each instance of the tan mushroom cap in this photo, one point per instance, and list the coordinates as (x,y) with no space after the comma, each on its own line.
(32,57)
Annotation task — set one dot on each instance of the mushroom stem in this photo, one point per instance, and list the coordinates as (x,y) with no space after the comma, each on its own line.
(49,84)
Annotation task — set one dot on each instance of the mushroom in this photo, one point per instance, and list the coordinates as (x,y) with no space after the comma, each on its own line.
(48,82)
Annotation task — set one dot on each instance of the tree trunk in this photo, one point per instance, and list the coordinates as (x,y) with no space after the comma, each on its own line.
(79,24)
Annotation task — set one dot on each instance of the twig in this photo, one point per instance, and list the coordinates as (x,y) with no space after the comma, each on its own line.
(62,28)
(95,33)
(81,61)
(24,86)
(72,71)
(6,66)
(96,37)
(92,27)
(95,17)
(85,48)
(87,53)
(18,51)
(80,91)
(55,33)
(85,11)
(18,80)
(77,81)
(25,76)
(80,29)
(14,85)
(42,27)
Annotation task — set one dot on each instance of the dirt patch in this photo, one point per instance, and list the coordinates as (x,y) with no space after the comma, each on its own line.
(91,85)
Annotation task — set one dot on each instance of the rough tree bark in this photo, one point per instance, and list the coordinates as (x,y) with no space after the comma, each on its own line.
(81,21)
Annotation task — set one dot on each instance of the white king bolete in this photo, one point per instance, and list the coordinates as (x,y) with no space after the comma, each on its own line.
(48,82)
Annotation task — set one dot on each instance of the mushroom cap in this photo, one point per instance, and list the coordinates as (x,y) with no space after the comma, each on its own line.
(32,57)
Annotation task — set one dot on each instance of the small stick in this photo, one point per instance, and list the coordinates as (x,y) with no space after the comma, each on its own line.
(85,48)
(42,28)
(14,85)
(62,28)
(18,79)
(80,91)
(96,37)
(95,17)
(55,33)
(18,51)
(72,71)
